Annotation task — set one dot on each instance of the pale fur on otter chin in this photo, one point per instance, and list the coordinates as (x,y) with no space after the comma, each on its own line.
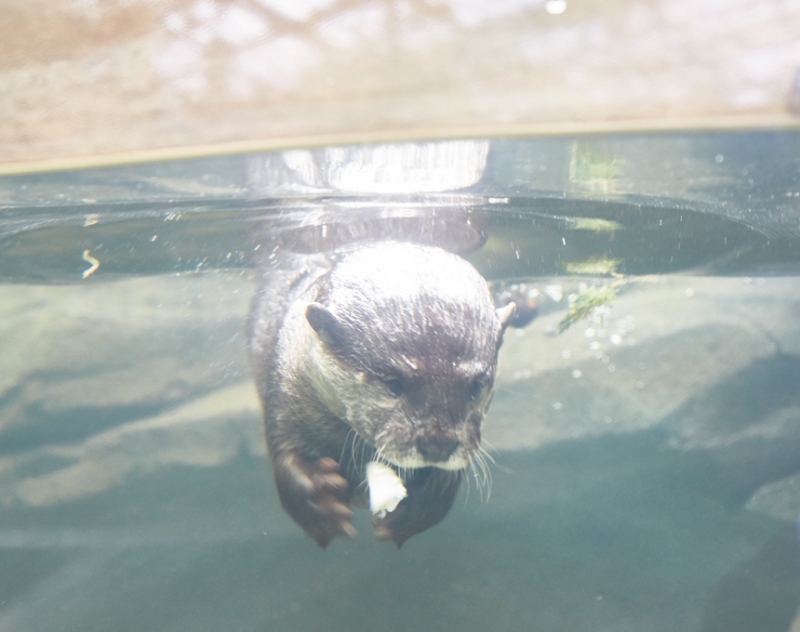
(412,461)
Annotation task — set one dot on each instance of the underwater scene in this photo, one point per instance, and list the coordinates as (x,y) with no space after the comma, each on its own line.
(640,465)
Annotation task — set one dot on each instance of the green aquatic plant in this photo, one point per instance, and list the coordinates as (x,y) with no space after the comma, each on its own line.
(586,302)
(592,267)
(594,169)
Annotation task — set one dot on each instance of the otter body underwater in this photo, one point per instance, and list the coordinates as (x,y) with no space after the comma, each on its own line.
(379,351)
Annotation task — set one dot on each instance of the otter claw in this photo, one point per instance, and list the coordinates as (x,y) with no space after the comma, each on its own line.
(316,496)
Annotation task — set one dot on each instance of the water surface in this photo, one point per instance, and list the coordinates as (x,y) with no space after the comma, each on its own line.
(647,473)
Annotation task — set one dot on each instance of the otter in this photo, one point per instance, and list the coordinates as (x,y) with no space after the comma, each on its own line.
(375,351)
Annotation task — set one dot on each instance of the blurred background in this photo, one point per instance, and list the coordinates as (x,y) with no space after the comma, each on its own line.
(91,82)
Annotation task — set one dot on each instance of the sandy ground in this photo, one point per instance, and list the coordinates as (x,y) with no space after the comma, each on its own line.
(646,472)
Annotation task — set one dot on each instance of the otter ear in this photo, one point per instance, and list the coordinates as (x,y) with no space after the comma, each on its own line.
(327,326)
(504,315)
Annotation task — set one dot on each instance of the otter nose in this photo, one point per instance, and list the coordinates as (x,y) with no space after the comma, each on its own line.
(435,449)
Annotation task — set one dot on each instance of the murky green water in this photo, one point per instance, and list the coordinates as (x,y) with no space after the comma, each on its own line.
(647,470)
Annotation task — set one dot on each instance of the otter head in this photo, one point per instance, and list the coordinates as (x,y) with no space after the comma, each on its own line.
(408,340)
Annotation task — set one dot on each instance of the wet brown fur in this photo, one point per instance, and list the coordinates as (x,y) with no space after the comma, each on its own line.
(318,454)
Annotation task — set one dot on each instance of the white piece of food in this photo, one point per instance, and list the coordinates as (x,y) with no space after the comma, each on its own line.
(386,488)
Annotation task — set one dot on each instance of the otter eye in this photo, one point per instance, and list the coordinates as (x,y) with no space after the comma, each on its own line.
(395,387)
(476,388)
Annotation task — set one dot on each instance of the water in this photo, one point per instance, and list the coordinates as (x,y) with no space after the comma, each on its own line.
(647,474)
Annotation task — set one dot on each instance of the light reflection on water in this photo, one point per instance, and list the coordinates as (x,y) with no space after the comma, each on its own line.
(647,474)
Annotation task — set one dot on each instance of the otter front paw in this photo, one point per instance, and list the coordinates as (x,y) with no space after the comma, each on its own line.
(315,495)
(431,493)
